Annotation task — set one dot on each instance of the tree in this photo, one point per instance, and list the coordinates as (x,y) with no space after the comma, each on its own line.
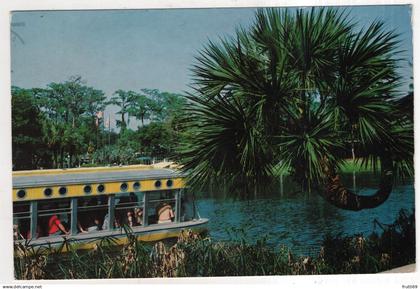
(155,104)
(156,139)
(140,107)
(52,133)
(122,99)
(28,149)
(293,91)
(174,105)
(163,106)
(70,111)
(165,111)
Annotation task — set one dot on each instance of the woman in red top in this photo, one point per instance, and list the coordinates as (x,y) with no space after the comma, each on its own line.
(55,227)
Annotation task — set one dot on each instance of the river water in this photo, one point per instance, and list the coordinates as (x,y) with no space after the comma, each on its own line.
(297,220)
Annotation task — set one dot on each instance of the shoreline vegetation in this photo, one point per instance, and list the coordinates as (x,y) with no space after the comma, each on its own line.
(348,166)
(199,256)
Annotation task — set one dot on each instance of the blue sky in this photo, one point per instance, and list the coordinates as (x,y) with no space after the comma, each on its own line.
(135,49)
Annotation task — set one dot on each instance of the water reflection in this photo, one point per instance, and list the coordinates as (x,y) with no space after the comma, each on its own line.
(295,219)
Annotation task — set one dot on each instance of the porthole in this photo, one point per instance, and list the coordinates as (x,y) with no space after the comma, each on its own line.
(158,184)
(169,183)
(48,192)
(21,194)
(136,186)
(100,188)
(87,189)
(124,187)
(62,191)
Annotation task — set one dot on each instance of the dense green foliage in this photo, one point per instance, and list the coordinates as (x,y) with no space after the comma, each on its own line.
(63,125)
(27,121)
(301,90)
(193,256)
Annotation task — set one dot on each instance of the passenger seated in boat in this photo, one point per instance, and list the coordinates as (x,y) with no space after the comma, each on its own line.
(89,220)
(94,224)
(16,233)
(135,218)
(130,218)
(91,223)
(55,227)
(124,212)
(165,213)
(138,215)
(105,224)
(82,216)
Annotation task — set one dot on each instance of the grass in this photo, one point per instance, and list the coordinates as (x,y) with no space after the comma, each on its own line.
(195,256)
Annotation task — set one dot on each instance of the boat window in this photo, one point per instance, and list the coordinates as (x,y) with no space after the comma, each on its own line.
(91,213)
(161,206)
(21,220)
(129,209)
(187,207)
(53,217)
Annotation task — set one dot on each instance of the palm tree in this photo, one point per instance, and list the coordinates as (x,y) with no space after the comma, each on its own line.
(140,107)
(294,91)
(53,136)
(122,99)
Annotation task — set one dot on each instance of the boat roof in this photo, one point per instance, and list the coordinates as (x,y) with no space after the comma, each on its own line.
(22,179)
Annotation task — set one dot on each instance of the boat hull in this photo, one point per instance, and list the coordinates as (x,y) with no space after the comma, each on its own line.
(152,233)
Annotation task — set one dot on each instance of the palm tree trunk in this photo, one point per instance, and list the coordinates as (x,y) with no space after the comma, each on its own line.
(353,158)
(62,158)
(55,159)
(123,121)
(338,195)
